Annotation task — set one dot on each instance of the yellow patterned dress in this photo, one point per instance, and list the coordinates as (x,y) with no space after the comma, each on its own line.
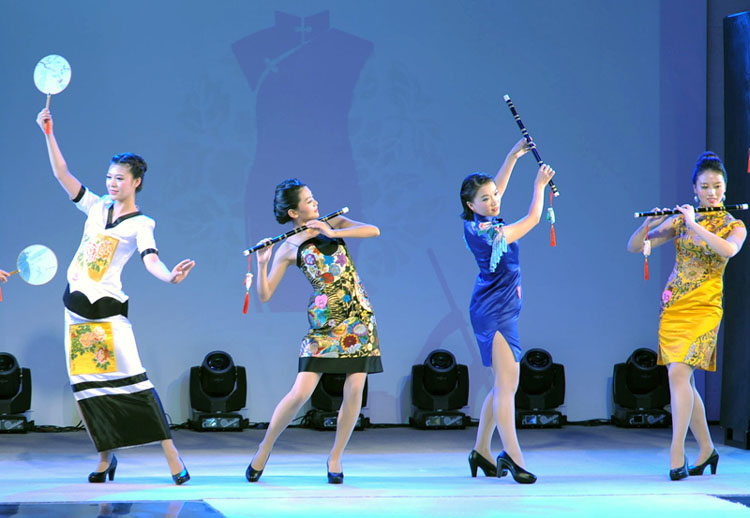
(691,308)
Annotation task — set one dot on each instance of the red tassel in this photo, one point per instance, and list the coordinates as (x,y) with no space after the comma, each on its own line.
(748,160)
(247,288)
(552,240)
(645,257)
(1,294)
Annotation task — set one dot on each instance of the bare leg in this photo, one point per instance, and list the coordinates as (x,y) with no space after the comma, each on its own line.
(506,371)
(699,426)
(285,411)
(483,444)
(172,455)
(105,457)
(347,419)
(682,397)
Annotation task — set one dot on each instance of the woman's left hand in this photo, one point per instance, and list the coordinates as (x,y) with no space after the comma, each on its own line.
(543,175)
(320,227)
(688,212)
(180,271)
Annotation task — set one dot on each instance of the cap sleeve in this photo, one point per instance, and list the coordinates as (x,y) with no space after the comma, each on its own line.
(729,227)
(145,240)
(85,199)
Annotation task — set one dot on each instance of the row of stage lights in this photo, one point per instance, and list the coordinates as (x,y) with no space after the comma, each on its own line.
(439,390)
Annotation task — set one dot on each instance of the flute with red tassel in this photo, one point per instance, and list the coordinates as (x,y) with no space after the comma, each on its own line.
(553,188)
(669,212)
(269,242)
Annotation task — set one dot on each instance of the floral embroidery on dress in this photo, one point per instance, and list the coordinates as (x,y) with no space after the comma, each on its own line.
(493,234)
(701,354)
(95,255)
(92,349)
(340,315)
(695,262)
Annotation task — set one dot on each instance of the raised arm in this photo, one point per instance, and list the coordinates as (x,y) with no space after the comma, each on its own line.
(158,269)
(520,228)
(59,168)
(284,257)
(660,231)
(341,226)
(724,247)
(502,177)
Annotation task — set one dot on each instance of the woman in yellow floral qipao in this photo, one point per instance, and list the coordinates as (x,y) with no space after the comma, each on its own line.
(116,400)
(692,304)
(343,335)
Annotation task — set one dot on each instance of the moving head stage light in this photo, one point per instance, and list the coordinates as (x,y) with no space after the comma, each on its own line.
(218,389)
(641,391)
(541,389)
(326,400)
(439,388)
(15,395)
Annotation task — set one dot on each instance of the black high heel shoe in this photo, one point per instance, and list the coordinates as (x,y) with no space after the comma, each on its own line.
(181,477)
(679,473)
(101,476)
(478,461)
(252,474)
(712,460)
(520,475)
(334,478)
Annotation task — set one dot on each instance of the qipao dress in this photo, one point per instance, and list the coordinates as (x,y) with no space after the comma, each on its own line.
(343,335)
(496,300)
(118,403)
(691,309)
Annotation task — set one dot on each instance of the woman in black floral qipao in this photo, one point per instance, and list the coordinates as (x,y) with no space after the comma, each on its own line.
(343,334)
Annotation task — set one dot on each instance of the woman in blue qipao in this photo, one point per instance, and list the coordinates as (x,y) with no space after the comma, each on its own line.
(343,335)
(496,304)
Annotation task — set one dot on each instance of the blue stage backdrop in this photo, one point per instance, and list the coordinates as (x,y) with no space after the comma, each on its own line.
(380,106)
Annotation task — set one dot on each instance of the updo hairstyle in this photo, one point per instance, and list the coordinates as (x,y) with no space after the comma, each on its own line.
(285,198)
(136,163)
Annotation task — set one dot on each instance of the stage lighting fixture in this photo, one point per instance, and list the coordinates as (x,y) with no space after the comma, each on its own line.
(439,389)
(15,395)
(218,389)
(326,400)
(541,389)
(641,391)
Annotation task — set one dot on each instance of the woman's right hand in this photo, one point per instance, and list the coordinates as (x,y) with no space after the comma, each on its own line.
(520,148)
(655,221)
(44,117)
(264,255)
